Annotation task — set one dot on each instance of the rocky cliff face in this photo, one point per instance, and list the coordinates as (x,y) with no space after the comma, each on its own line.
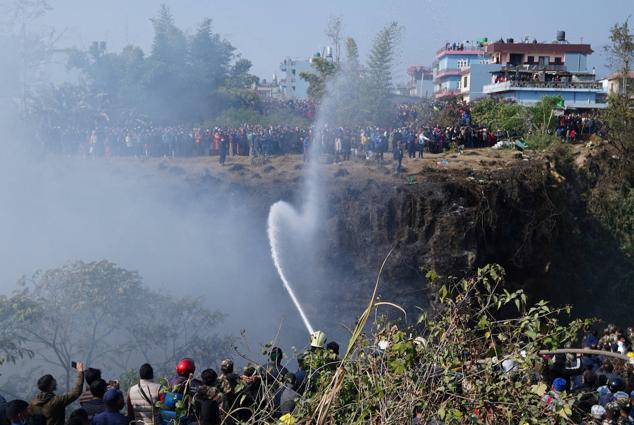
(531,218)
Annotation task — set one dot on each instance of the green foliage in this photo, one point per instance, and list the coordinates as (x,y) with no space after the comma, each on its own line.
(449,365)
(498,115)
(377,84)
(542,141)
(325,70)
(541,117)
(619,120)
(537,121)
(612,198)
(89,311)
(184,79)
(620,52)
(15,309)
(353,97)
(621,217)
(352,53)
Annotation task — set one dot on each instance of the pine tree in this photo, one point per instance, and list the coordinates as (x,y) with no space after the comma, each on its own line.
(378,81)
(352,54)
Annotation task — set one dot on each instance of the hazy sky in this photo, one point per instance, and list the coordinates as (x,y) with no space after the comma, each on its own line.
(265,31)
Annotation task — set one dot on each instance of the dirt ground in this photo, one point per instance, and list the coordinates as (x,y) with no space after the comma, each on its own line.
(290,168)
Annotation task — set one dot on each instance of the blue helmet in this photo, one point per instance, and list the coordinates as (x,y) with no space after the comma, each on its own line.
(559,384)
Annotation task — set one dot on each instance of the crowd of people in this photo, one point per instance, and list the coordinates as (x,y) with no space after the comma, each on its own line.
(571,126)
(339,143)
(210,398)
(602,387)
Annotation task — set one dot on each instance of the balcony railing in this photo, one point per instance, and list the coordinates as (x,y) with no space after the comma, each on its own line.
(507,85)
(466,48)
(447,71)
(445,92)
(533,67)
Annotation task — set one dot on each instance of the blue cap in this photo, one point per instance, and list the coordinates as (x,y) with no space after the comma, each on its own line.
(112,395)
(559,384)
(632,394)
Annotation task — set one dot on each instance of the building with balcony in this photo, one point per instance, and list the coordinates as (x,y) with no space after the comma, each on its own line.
(268,89)
(292,86)
(529,71)
(420,83)
(474,79)
(450,63)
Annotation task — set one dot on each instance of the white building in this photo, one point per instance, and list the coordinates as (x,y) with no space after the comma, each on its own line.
(291,84)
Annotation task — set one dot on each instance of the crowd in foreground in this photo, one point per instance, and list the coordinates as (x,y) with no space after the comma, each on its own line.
(602,386)
(227,397)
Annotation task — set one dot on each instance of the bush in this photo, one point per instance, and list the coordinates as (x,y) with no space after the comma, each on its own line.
(542,141)
(474,359)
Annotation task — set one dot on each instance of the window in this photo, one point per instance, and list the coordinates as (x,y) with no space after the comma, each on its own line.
(558,61)
(530,60)
(465,81)
(463,63)
(293,71)
(459,85)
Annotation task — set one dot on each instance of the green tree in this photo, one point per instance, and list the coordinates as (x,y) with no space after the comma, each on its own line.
(471,358)
(167,71)
(620,53)
(27,47)
(352,54)
(209,65)
(114,82)
(378,84)
(239,76)
(325,70)
(541,115)
(91,312)
(14,310)
(619,117)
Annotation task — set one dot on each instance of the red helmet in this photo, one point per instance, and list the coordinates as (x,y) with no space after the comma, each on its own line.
(185,367)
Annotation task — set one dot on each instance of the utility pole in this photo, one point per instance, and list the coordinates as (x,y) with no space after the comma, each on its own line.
(626,72)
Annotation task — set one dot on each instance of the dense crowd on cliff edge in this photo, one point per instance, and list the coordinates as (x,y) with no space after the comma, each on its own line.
(342,144)
(602,385)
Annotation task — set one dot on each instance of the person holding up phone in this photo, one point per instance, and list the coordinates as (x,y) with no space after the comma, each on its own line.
(51,405)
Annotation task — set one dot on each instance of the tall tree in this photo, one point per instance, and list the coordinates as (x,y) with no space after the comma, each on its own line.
(209,64)
(27,46)
(166,82)
(91,312)
(209,56)
(352,53)
(621,52)
(378,81)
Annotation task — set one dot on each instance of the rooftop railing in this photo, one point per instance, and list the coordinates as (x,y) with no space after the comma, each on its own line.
(533,67)
(461,47)
(580,85)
